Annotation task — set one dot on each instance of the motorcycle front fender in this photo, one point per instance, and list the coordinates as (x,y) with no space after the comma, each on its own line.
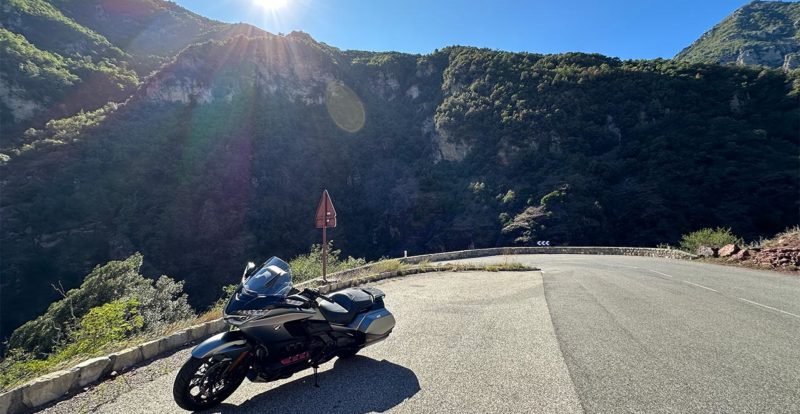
(230,344)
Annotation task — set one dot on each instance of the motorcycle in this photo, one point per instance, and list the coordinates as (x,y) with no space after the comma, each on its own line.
(278,331)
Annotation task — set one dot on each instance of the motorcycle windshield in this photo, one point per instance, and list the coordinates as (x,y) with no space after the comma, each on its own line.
(273,279)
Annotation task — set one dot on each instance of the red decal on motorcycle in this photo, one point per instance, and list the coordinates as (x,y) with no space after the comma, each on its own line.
(294,358)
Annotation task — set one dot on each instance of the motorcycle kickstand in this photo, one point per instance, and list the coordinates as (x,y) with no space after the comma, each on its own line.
(316,380)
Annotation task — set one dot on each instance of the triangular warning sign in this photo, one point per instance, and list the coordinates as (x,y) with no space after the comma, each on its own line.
(326,214)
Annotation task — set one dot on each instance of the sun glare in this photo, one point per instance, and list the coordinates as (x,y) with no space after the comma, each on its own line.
(272,4)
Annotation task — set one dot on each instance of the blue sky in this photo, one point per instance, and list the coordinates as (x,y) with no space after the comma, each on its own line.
(628,29)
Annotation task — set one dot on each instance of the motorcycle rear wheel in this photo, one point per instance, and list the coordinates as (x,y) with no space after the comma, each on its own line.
(200,383)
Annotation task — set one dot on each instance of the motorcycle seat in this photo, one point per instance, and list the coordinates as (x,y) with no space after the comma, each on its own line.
(348,304)
(335,313)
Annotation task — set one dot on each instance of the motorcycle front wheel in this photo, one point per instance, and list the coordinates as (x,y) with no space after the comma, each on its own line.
(205,382)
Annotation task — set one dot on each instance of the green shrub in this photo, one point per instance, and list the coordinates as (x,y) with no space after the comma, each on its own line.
(227,292)
(309,266)
(101,326)
(708,237)
(508,197)
(19,365)
(160,303)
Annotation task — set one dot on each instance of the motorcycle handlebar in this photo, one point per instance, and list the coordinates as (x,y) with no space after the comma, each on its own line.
(313,294)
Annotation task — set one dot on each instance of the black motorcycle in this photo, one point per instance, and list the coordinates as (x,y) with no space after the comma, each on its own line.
(278,331)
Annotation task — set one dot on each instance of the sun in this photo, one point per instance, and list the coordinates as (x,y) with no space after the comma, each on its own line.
(271,4)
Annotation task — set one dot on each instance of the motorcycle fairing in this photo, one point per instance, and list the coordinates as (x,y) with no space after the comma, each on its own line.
(230,343)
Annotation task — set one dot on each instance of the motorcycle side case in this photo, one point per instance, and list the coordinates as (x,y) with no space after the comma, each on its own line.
(375,324)
(230,344)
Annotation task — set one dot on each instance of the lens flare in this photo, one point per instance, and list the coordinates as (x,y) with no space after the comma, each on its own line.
(344,107)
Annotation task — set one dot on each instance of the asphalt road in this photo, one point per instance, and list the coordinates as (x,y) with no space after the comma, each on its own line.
(588,333)
(657,335)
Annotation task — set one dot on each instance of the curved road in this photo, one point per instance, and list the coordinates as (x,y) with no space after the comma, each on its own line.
(586,334)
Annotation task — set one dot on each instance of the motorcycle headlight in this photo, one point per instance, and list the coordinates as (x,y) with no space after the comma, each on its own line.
(252,313)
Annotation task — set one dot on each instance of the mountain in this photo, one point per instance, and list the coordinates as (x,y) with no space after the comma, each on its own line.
(60,57)
(51,66)
(765,33)
(152,32)
(220,157)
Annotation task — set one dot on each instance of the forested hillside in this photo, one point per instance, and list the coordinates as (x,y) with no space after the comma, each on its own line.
(60,57)
(221,155)
(50,66)
(765,33)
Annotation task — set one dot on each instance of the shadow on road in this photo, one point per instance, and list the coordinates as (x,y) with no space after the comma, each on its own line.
(356,385)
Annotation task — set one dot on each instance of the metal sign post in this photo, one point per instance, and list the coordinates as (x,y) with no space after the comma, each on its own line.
(326,217)
(324,254)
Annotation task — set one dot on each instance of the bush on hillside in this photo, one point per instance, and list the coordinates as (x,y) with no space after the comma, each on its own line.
(101,326)
(109,323)
(159,303)
(309,266)
(708,237)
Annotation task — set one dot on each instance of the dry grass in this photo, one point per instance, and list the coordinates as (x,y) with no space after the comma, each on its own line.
(788,238)
(388,265)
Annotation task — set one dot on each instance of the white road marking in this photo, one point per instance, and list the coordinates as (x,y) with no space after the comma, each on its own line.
(770,307)
(700,286)
(656,271)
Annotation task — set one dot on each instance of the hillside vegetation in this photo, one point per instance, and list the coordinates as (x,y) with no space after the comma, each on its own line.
(59,57)
(50,66)
(222,156)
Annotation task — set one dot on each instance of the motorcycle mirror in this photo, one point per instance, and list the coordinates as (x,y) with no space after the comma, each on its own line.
(250,266)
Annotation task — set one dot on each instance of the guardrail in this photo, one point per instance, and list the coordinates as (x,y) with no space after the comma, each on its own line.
(56,385)
(503,251)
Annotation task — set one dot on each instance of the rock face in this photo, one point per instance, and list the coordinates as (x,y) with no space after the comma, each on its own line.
(728,250)
(706,251)
(263,65)
(765,56)
(449,148)
(791,61)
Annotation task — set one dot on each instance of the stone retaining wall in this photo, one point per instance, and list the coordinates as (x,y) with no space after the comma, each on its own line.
(498,251)
(56,385)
